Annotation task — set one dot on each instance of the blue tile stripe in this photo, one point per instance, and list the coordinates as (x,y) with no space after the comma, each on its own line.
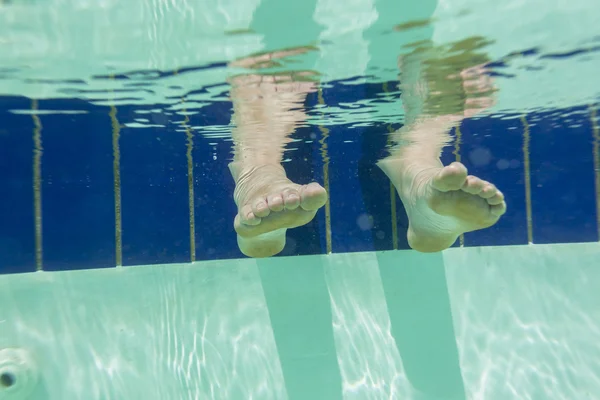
(17,220)
(596,155)
(158,169)
(562,177)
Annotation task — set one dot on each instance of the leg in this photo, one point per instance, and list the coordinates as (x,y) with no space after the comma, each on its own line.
(441,202)
(267,110)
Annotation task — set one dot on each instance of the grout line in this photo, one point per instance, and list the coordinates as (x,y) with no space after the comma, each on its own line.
(596,154)
(189,145)
(116,135)
(325,156)
(456,152)
(527,171)
(37,185)
(190,171)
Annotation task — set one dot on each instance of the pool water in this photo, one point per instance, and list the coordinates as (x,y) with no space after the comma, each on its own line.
(154,52)
(471,323)
(120,274)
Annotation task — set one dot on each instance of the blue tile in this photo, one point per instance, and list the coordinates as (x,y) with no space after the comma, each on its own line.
(562,177)
(154,189)
(344,94)
(17,233)
(491,149)
(78,196)
(215,209)
(301,169)
(350,223)
(77,191)
(375,188)
(319,159)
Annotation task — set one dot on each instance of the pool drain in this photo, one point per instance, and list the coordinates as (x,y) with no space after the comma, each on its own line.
(7,379)
(18,374)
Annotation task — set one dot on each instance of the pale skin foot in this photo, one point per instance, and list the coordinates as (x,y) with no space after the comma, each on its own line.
(269,204)
(442,202)
(267,111)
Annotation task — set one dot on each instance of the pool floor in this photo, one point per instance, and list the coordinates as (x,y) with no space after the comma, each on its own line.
(515,322)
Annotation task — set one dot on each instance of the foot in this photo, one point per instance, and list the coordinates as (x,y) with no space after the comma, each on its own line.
(443,202)
(269,204)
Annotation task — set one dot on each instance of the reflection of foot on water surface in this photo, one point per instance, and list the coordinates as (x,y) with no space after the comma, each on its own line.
(440,87)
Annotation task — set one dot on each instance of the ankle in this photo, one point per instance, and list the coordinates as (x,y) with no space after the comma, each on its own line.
(240,170)
(406,173)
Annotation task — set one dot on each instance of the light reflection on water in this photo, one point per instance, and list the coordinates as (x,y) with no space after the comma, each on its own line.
(214,338)
(525,324)
(544,55)
(370,364)
(153,333)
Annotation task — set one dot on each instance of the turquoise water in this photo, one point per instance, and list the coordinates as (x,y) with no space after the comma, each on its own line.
(471,323)
(72,48)
(145,83)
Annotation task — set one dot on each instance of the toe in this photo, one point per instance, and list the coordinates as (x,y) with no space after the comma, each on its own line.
(473,185)
(451,177)
(498,209)
(313,196)
(291,199)
(247,216)
(497,198)
(488,191)
(260,208)
(275,202)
